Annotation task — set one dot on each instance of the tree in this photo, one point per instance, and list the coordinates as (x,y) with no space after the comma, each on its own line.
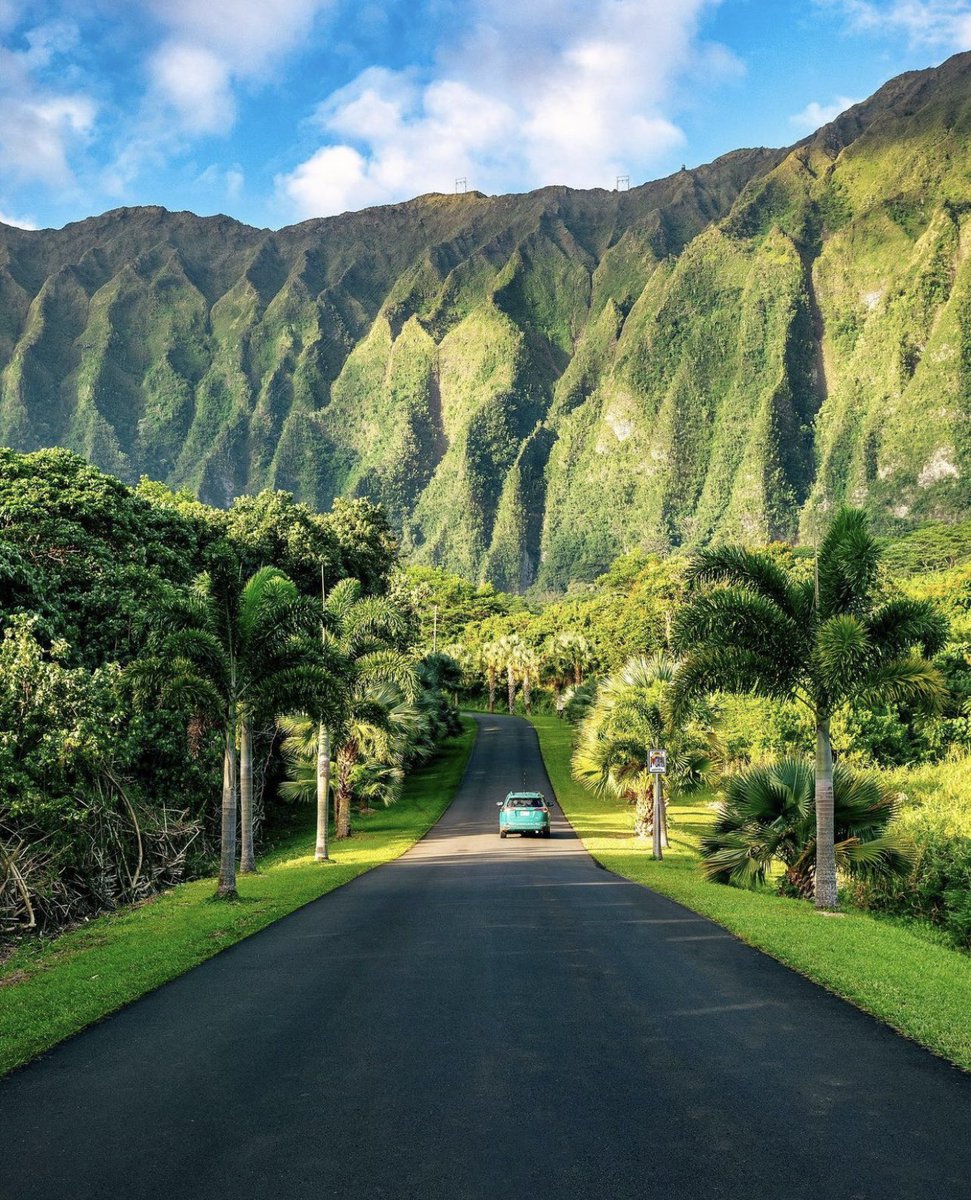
(527,665)
(557,669)
(508,651)
(491,661)
(362,632)
(232,649)
(827,640)
(768,816)
(578,654)
(632,715)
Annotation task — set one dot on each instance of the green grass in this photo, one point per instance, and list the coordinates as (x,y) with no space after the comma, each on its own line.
(50,989)
(899,974)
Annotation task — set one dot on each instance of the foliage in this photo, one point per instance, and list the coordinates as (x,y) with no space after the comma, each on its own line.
(935,813)
(631,715)
(828,641)
(101,803)
(768,816)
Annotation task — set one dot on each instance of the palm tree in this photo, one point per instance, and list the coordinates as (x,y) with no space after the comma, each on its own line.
(828,640)
(632,715)
(768,816)
(281,663)
(577,652)
(230,650)
(508,649)
(362,631)
(382,728)
(490,658)
(557,669)
(527,666)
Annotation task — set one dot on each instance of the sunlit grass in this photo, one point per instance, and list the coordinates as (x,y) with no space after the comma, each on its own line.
(901,975)
(52,988)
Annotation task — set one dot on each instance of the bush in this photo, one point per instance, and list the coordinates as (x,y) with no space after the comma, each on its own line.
(768,819)
(935,811)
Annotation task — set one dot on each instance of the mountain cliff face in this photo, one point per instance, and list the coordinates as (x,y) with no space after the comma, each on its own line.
(534,383)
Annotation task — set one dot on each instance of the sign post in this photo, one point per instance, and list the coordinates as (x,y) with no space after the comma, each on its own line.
(657,765)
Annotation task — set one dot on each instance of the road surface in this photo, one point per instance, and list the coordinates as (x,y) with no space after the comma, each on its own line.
(485,1019)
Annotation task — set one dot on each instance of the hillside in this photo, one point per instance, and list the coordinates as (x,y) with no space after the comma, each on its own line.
(532,383)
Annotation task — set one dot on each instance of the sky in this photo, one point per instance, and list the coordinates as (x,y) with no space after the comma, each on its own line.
(275,111)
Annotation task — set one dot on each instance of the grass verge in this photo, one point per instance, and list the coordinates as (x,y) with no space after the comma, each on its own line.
(898,974)
(50,989)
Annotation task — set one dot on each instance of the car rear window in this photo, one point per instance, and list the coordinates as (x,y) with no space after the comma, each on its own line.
(525,802)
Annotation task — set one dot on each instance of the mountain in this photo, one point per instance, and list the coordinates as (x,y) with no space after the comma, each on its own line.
(533,383)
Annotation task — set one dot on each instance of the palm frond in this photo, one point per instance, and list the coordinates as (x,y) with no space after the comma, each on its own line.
(768,815)
(843,651)
(847,564)
(342,598)
(902,623)
(717,669)
(389,666)
(909,680)
(735,616)
(265,587)
(758,573)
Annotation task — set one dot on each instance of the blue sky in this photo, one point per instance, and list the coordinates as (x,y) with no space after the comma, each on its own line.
(277,110)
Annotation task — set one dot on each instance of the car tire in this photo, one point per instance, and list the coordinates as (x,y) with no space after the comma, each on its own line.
(547,831)
(502,833)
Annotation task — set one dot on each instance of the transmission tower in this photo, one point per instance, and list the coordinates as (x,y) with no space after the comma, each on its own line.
(623,183)
(461,185)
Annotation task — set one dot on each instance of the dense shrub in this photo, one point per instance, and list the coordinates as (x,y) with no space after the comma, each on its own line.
(935,811)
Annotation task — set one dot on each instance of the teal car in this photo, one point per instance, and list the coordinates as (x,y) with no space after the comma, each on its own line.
(524,812)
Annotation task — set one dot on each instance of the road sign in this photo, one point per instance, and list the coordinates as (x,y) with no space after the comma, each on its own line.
(658,762)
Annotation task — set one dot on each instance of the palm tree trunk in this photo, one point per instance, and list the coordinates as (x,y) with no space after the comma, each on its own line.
(342,794)
(558,693)
(511,686)
(643,814)
(664,817)
(527,693)
(492,691)
(227,852)
(247,860)
(323,792)
(825,833)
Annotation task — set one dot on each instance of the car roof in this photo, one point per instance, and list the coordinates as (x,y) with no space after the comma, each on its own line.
(517,795)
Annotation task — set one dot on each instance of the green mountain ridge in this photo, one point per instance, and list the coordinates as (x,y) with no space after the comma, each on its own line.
(534,383)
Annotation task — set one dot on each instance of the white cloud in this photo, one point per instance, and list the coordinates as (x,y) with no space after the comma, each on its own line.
(934,24)
(17,222)
(211,46)
(246,35)
(196,84)
(554,91)
(815,115)
(39,126)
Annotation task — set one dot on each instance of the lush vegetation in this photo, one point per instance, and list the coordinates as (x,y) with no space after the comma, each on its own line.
(50,989)
(533,384)
(149,646)
(607,658)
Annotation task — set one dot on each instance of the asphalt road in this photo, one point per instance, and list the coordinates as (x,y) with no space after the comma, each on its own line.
(486,1019)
